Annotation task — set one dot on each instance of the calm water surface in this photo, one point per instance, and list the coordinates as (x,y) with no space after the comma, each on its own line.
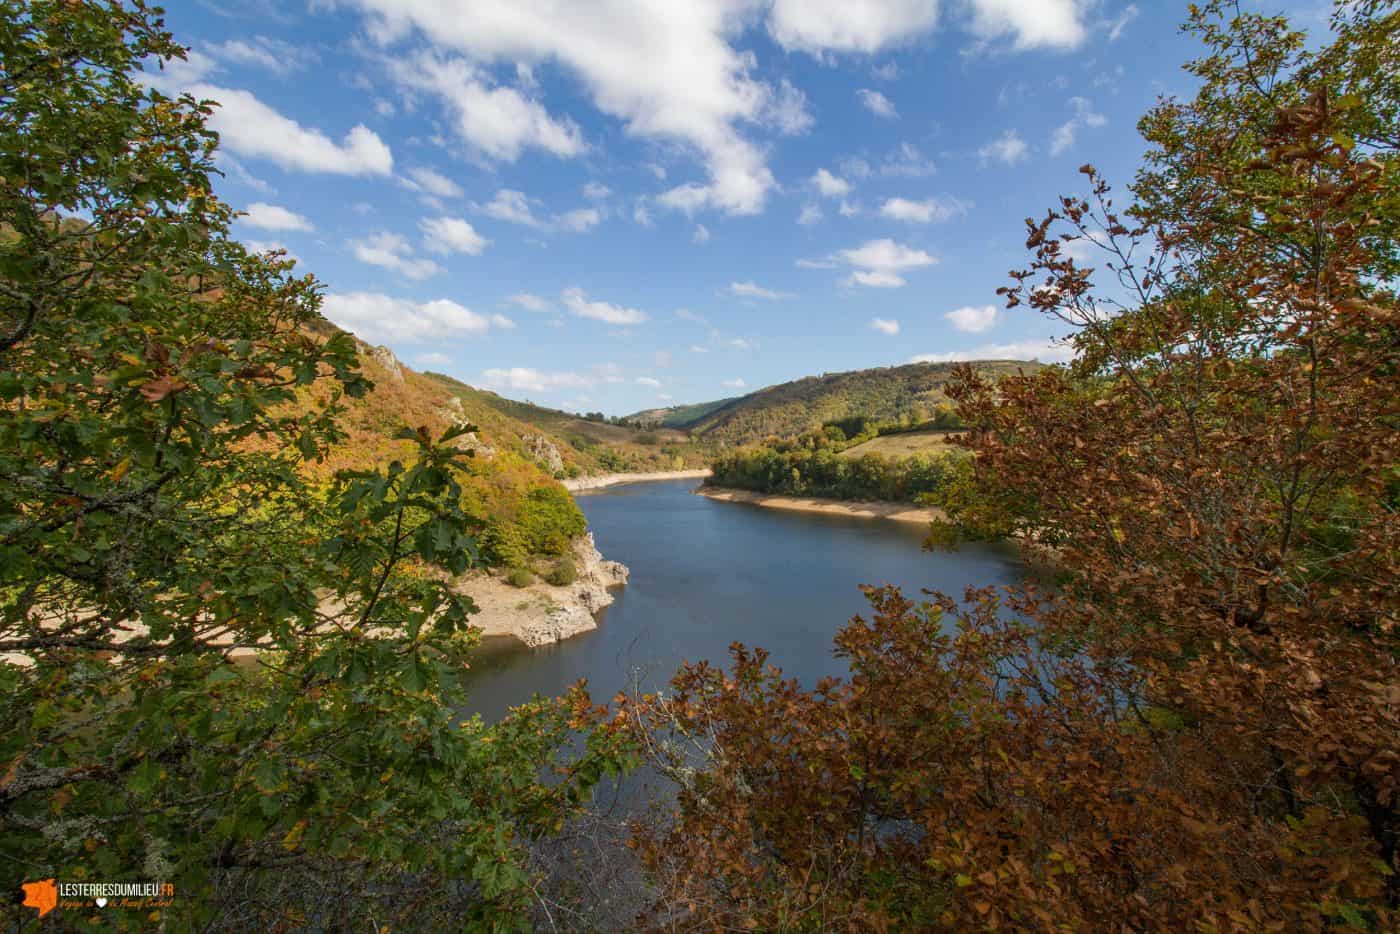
(707,573)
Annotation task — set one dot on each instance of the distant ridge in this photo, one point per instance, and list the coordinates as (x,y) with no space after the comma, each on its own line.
(911,392)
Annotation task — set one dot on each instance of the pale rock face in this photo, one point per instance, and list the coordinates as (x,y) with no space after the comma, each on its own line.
(544,451)
(452,412)
(586,596)
(385,358)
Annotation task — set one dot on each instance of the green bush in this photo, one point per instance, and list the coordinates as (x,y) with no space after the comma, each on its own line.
(550,519)
(564,573)
(503,544)
(520,577)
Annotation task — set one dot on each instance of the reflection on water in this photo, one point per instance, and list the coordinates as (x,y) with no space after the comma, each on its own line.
(706,574)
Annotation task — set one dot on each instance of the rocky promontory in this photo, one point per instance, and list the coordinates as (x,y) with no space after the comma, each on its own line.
(542,613)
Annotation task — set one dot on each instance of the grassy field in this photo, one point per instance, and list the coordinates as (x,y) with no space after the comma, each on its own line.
(902,445)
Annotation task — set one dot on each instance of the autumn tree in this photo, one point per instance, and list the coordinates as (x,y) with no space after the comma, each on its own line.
(155,524)
(1200,726)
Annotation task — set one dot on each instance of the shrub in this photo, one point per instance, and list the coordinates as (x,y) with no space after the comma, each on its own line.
(520,577)
(564,573)
(550,519)
(503,544)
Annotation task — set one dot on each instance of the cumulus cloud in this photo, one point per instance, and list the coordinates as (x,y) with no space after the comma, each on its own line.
(648,381)
(451,235)
(495,121)
(264,52)
(831,186)
(432,183)
(1007,149)
(1056,24)
(737,383)
(391,251)
(701,234)
(516,207)
(380,319)
(597,191)
(974,318)
(811,214)
(248,127)
(928,211)
(1046,351)
(529,379)
(885,326)
(877,103)
(578,304)
(271,217)
(501,321)
(1084,116)
(666,70)
(754,290)
(877,263)
(530,301)
(818,26)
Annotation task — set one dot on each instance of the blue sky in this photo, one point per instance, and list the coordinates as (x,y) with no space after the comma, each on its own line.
(599,204)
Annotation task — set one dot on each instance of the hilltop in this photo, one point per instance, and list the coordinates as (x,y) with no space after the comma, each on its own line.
(911,393)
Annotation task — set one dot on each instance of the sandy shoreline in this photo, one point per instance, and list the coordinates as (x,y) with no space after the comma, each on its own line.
(899,512)
(582,484)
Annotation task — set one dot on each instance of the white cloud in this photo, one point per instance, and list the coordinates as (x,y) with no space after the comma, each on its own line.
(578,304)
(737,383)
(1084,116)
(433,183)
(849,208)
(927,211)
(787,110)
(885,326)
(741,343)
(697,348)
(1054,24)
(391,251)
(528,379)
(264,52)
(877,103)
(974,319)
(497,122)
(451,235)
(580,220)
(754,290)
(830,185)
(380,319)
(517,208)
(818,26)
(648,381)
(886,72)
(667,70)
(597,191)
(501,321)
(1046,351)
(530,301)
(907,162)
(250,128)
(881,263)
(271,217)
(1116,26)
(701,234)
(1009,149)
(432,358)
(811,214)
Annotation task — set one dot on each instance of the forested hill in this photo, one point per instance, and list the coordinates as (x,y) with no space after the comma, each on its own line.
(913,391)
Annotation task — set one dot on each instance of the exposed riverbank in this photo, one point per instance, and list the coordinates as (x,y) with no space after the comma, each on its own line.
(899,512)
(583,484)
(542,614)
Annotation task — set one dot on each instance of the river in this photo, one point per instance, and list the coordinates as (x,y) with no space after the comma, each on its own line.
(706,574)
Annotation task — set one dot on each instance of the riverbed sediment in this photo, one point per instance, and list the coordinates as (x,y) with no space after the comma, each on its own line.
(875,509)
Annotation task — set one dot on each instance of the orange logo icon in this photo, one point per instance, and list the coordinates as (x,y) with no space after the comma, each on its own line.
(42,895)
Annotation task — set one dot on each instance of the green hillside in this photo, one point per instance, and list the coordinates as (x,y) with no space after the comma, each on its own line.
(586,446)
(913,392)
(676,416)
